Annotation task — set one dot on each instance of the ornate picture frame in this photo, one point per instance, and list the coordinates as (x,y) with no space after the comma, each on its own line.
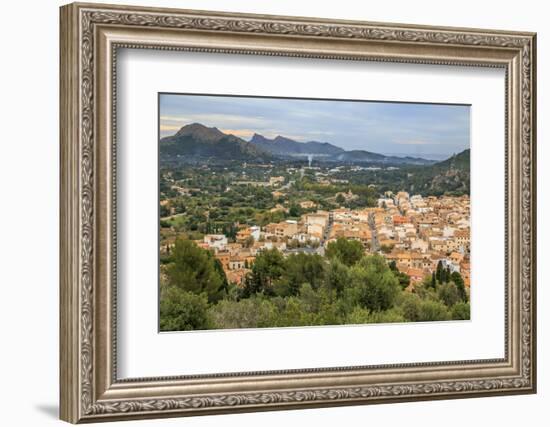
(90,37)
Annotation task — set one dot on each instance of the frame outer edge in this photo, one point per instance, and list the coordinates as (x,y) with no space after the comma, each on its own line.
(77,342)
(534,270)
(69,355)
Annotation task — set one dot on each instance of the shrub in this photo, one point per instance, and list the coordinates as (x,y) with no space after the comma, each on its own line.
(432,311)
(375,285)
(448,293)
(253,312)
(461,311)
(183,311)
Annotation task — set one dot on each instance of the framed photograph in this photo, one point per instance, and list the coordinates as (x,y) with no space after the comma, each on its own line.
(266,212)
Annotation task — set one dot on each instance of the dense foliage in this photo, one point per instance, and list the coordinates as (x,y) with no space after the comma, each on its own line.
(344,287)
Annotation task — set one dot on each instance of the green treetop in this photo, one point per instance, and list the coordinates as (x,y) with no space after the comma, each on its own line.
(194,270)
(346,251)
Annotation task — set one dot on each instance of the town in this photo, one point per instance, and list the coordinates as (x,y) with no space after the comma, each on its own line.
(416,233)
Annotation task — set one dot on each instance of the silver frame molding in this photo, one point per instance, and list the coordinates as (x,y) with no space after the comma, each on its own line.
(90,37)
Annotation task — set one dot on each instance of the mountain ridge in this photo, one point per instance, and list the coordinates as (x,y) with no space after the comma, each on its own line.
(199,141)
(459,160)
(286,146)
(195,140)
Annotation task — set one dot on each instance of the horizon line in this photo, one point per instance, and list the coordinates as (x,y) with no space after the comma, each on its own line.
(434,156)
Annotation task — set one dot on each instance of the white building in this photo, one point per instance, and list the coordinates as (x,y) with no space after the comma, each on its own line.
(218,241)
(420,245)
(255,232)
(448,231)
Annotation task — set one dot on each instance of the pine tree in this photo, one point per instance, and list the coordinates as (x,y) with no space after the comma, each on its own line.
(439,272)
(195,270)
(459,282)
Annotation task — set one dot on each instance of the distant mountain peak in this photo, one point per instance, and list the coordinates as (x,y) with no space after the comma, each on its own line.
(284,146)
(192,127)
(282,138)
(202,131)
(196,140)
(258,138)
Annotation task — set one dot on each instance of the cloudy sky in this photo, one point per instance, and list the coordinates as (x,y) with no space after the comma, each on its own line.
(428,130)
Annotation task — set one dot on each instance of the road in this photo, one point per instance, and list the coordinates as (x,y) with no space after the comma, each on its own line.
(372,225)
(326,234)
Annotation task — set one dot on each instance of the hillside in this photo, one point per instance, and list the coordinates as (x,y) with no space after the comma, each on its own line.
(451,176)
(286,146)
(324,151)
(460,161)
(196,141)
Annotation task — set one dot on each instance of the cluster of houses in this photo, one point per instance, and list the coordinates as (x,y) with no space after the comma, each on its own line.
(418,233)
(413,231)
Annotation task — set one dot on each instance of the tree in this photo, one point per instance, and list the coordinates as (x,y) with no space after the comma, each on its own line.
(459,282)
(194,270)
(340,199)
(461,311)
(302,268)
(310,299)
(432,311)
(375,285)
(433,283)
(268,267)
(449,294)
(294,314)
(219,268)
(182,311)
(359,316)
(447,275)
(439,272)
(294,210)
(410,307)
(404,279)
(164,211)
(388,316)
(336,277)
(330,310)
(347,251)
(247,313)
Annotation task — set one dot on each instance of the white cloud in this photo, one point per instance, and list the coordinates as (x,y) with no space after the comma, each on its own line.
(218,120)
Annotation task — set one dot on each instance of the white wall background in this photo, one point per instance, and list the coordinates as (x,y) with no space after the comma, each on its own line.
(29,170)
